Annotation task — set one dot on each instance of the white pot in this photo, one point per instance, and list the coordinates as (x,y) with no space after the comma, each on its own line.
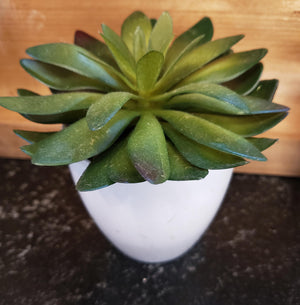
(155,223)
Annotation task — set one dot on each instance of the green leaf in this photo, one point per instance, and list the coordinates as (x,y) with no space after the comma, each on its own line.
(265,89)
(120,167)
(105,108)
(201,155)
(226,67)
(257,105)
(50,104)
(120,52)
(25,92)
(148,151)
(203,29)
(210,98)
(262,143)
(78,60)
(33,136)
(130,25)
(194,60)
(168,66)
(68,117)
(95,176)
(181,169)
(153,22)
(139,44)
(60,78)
(94,46)
(209,134)
(246,82)
(77,142)
(148,70)
(247,125)
(162,34)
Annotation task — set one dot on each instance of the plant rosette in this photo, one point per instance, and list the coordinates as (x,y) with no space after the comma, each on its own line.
(144,106)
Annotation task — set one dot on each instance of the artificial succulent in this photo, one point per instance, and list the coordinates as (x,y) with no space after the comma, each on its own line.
(145,106)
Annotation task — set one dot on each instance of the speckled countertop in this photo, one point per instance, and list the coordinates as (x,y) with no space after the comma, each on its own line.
(51,253)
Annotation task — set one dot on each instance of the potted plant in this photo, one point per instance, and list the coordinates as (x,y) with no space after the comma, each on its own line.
(140,108)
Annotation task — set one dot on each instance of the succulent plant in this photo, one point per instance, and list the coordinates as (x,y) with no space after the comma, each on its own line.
(141,106)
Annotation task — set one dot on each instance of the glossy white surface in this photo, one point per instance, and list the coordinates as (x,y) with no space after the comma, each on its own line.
(155,223)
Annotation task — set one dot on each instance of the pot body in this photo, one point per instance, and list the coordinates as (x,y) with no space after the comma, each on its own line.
(155,223)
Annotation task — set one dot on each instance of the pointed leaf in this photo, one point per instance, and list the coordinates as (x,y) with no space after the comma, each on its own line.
(130,25)
(78,60)
(147,150)
(262,143)
(94,46)
(200,155)
(246,82)
(257,105)
(210,98)
(162,34)
(32,136)
(77,142)
(226,67)
(120,167)
(148,70)
(182,169)
(194,60)
(60,78)
(266,89)
(25,92)
(95,176)
(248,125)
(139,44)
(202,28)
(170,63)
(50,104)
(105,108)
(120,52)
(211,135)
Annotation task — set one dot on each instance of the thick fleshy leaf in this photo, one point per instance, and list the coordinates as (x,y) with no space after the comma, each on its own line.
(247,125)
(262,143)
(203,29)
(168,65)
(210,134)
(226,67)
(181,169)
(162,34)
(60,78)
(94,46)
(194,60)
(50,104)
(148,151)
(77,142)
(78,60)
(266,89)
(68,117)
(130,25)
(147,71)
(120,52)
(210,98)
(95,176)
(139,44)
(246,82)
(120,167)
(105,108)
(200,155)
(25,92)
(257,105)
(33,136)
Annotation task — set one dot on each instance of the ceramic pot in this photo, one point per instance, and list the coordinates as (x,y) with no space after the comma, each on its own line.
(155,223)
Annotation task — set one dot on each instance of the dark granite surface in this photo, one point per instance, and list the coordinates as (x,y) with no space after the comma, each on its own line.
(51,253)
